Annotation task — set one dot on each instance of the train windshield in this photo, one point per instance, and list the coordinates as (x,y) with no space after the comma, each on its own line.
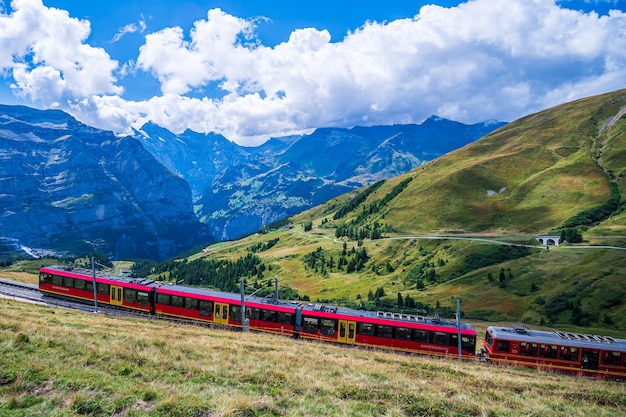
(488,339)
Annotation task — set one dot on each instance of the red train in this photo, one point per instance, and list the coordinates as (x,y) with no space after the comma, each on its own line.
(582,354)
(311,321)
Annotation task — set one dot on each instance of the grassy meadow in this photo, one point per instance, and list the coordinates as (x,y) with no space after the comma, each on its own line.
(56,362)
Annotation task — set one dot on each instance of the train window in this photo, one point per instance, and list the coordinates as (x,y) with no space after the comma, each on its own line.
(421,336)
(384,331)
(235,314)
(268,315)
(103,288)
(327,327)
(548,351)
(528,349)
(611,358)
(284,318)
(309,325)
(163,299)
(142,298)
(177,301)
(365,329)
(57,280)
(569,353)
(253,313)
(89,286)
(468,343)
(488,339)
(403,333)
(45,278)
(191,303)
(130,296)
(440,338)
(453,339)
(503,345)
(68,282)
(206,308)
(79,284)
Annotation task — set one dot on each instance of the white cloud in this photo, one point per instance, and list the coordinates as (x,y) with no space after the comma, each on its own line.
(485,59)
(45,51)
(130,28)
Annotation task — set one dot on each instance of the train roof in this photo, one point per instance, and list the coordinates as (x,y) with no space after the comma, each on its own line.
(317,309)
(88,274)
(587,341)
(182,290)
(388,316)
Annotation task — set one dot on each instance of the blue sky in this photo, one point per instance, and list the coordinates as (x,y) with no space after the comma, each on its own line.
(256,69)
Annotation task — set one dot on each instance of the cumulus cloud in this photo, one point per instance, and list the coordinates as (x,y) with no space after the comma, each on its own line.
(45,52)
(484,59)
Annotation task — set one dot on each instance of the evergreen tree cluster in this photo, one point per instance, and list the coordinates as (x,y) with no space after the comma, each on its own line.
(359,227)
(222,274)
(354,231)
(349,206)
(263,246)
(423,271)
(596,214)
(493,255)
(571,235)
(322,262)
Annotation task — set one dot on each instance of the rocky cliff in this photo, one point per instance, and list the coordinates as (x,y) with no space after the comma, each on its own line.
(69,188)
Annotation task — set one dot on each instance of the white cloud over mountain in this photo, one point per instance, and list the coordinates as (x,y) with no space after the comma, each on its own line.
(485,59)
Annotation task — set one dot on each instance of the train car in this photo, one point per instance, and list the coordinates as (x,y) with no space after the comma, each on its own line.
(403,332)
(225,308)
(77,284)
(582,354)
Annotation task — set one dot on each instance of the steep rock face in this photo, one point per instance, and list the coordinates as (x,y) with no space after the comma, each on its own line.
(69,188)
(196,157)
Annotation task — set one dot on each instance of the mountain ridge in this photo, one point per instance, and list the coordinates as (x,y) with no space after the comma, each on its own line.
(230,188)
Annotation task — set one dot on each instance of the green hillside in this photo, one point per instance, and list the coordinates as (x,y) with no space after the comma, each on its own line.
(464,226)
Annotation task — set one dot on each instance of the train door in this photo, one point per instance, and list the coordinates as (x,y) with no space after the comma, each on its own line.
(589,359)
(116,295)
(220,313)
(347,332)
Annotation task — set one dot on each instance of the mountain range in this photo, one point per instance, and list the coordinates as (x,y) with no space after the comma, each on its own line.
(67,188)
(239,189)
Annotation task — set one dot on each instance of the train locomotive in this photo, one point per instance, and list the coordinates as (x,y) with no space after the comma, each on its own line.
(401,332)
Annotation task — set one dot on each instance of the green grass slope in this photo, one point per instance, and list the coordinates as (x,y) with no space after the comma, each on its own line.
(544,169)
(56,362)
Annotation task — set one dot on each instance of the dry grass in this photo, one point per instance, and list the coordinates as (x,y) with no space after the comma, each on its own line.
(59,362)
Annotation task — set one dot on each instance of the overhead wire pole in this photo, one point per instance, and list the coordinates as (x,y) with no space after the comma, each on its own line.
(458,325)
(244,323)
(95,294)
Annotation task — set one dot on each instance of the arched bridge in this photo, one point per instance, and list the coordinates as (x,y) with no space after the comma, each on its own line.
(549,240)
